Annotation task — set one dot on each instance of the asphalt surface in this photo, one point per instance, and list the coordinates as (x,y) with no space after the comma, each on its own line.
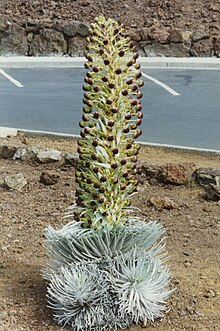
(51,100)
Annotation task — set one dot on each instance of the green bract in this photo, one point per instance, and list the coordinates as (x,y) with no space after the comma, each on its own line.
(110,123)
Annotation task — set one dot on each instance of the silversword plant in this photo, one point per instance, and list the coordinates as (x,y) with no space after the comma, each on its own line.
(106,266)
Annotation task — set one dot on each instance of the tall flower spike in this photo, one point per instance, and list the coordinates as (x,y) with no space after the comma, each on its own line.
(112,106)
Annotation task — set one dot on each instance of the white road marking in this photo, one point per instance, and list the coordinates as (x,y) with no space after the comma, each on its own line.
(14,81)
(166,87)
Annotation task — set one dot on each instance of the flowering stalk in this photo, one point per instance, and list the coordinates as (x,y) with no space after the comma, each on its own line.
(110,123)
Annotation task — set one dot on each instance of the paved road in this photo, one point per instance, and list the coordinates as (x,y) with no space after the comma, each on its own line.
(51,101)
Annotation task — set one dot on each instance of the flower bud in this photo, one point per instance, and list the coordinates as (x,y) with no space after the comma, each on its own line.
(123,162)
(86,88)
(94,157)
(105,42)
(115,150)
(82,124)
(124,92)
(101,51)
(130,63)
(110,137)
(106,62)
(103,179)
(96,115)
(111,85)
(138,121)
(129,81)
(125,175)
(123,187)
(109,101)
(140,114)
(88,181)
(121,53)
(139,107)
(128,116)
(86,65)
(134,87)
(133,126)
(95,69)
(104,79)
(114,165)
(114,110)
(85,117)
(115,180)
(102,190)
(134,102)
(141,83)
(126,129)
(96,185)
(95,88)
(139,95)
(118,71)
(128,146)
(96,170)
(111,123)
(95,142)
(136,55)
(86,96)
(89,81)
(82,134)
(138,74)
(87,130)
(101,200)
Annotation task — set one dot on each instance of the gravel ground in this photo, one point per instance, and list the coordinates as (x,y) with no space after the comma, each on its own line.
(193,228)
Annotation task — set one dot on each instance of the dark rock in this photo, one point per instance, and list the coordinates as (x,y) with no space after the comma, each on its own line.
(13,41)
(83,29)
(216,46)
(209,178)
(71,29)
(4,25)
(76,46)
(200,34)
(7,149)
(202,48)
(174,50)
(49,177)
(48,42)
(179,36)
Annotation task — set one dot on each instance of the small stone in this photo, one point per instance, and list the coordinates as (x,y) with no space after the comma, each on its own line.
(162,203)
(71,158)
(49,177)
(15,182)
(49,155)
(26,153)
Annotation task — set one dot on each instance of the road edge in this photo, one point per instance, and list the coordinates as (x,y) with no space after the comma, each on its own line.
(5,132)
(78,62)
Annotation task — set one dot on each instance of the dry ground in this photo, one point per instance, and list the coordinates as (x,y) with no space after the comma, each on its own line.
(193,242)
